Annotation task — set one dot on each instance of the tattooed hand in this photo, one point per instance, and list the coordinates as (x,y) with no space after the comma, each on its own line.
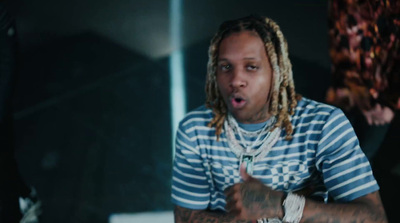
(252,200)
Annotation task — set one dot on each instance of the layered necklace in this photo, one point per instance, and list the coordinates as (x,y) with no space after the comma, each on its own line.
(248,153)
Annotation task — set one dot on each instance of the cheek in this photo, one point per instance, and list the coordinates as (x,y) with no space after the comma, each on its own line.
(261,97)
(262,90)
(264,83)
(221,85)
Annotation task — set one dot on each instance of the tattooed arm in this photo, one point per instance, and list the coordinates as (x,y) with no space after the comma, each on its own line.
(184,215)
(368,208)
(253,200)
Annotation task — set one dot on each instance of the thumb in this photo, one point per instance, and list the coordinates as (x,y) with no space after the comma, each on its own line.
(243,173)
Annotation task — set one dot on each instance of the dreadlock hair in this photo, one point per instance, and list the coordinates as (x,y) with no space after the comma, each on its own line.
(283,98)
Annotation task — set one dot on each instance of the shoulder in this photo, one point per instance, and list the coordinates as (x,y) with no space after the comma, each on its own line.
(315,110)
(199,116)
(306,105)
(194,126)
(310,114)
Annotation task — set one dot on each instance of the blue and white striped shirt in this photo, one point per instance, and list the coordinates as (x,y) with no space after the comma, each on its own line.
(324,154)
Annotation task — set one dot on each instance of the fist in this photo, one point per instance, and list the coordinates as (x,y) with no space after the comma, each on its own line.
(252,200)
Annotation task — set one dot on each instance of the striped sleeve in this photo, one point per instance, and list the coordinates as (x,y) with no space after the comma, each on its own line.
(190,188)
(346,170)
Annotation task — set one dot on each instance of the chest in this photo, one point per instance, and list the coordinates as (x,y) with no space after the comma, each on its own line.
(280,169)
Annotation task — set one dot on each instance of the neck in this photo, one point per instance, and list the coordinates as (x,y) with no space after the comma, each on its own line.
(253,126)
(261,116)
(255,119)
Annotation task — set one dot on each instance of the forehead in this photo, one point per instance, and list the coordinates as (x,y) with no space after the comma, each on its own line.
(242,45)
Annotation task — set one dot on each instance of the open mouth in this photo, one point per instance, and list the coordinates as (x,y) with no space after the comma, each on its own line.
(238,102)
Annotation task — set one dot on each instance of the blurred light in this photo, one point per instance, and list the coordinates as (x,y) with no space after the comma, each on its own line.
(177,77)
(145,217)
(178,110)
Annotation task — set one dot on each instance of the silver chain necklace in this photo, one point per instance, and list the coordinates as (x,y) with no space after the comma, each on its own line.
(249,155)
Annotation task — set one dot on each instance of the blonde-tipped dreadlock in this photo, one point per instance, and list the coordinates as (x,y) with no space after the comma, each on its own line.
(283,96)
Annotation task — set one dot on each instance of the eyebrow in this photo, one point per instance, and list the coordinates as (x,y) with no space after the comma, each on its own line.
(246,58)
(251,58)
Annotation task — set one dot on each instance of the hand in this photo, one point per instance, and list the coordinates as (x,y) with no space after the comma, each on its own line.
(252,200)
(378,115)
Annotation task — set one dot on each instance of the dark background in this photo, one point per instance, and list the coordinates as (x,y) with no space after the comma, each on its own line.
(92,106)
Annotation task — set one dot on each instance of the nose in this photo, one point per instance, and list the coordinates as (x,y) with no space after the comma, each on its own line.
(238,79)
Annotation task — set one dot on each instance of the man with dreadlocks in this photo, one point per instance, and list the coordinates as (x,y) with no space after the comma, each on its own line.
(257,152)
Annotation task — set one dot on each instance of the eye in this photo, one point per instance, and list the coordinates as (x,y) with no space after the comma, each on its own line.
(225,67)
(251,67)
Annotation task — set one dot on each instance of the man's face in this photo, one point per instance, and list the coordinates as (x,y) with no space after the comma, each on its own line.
(244,76)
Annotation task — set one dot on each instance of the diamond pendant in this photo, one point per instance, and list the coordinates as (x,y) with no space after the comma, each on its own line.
(247,160)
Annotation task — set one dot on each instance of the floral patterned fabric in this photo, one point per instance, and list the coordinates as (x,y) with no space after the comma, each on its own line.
(365,53)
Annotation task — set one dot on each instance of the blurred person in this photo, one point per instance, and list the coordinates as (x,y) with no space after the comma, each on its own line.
(365,41)
(370,95)
(259,152)
(18,202)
